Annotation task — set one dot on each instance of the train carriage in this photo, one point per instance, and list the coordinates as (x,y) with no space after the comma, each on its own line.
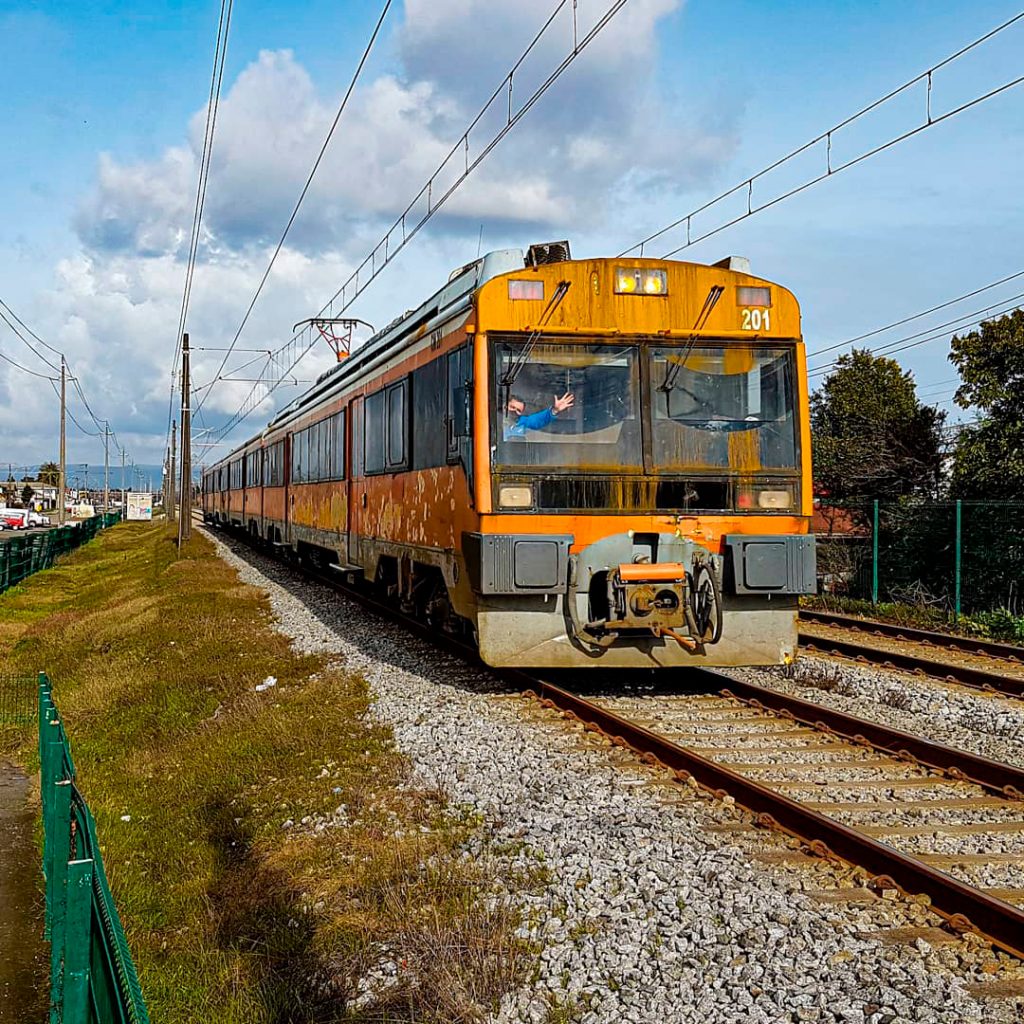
(579,461)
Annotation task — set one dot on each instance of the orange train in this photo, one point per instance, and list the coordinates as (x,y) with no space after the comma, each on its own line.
(578,462)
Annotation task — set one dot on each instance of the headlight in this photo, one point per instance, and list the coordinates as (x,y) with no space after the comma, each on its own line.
(635,281)
(515,496)
(766,497)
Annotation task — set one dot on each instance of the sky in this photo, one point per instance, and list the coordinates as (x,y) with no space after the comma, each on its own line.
(675,102)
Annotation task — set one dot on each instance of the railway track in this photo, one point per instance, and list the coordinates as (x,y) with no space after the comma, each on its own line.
(903,655)
(925,637)
(917,816)
(727,738)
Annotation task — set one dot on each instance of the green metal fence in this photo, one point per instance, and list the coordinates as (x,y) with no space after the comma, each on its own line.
(18,697)
(954,556)
(92,976)
(21,556)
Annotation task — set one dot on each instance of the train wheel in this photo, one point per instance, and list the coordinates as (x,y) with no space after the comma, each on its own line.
(706,604)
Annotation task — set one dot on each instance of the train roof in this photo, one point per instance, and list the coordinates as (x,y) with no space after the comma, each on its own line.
(446,302)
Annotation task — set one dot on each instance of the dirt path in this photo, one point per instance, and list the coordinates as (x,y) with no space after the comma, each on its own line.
(23,955)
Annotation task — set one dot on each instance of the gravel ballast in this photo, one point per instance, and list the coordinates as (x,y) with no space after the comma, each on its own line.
(982,723)
(650,910)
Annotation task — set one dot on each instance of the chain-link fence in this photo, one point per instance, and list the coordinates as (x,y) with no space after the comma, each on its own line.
(22,555)
(952,556)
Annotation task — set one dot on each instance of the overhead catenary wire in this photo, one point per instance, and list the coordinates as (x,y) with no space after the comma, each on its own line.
(206,156)
(826,138)
(915,316)
(935,333)
(401,233)
(302,195)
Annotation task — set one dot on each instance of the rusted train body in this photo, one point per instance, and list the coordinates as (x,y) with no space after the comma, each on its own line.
(582,462)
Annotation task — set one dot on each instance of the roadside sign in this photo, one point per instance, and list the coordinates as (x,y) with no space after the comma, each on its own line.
(140,505)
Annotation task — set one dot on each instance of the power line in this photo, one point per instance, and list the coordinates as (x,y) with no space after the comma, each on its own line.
(915,316)
(825,137)
(18,365)
(206,156)
(934,333)
(406,226)
(28,344)
(302,194)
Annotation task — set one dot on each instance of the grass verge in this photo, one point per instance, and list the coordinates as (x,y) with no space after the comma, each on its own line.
(269,856)
(997,624)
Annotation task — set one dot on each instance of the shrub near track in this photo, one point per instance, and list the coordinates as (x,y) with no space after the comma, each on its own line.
(265,848)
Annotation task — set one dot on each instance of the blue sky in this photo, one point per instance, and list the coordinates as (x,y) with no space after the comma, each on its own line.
(101,99)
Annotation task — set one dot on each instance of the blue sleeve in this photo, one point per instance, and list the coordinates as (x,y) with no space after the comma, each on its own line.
(537,420)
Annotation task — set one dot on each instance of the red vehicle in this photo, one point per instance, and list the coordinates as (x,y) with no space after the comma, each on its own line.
(14,518)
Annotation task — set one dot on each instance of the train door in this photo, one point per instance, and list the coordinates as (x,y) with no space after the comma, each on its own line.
(289,498)
(356,488)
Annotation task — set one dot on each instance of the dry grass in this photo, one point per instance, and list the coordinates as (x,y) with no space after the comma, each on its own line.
(232,914)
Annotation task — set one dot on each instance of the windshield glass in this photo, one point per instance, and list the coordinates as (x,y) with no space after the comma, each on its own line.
(567,405)
(728,406)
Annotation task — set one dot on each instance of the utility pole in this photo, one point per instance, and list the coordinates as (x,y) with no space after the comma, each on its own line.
(124,507)
(172,481)
(106,466)
(63,451)
(185,520)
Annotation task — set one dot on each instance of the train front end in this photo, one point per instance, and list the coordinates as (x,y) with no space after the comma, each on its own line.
(644,490)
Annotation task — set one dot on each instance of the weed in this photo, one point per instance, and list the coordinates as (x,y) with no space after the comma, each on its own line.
(277,865)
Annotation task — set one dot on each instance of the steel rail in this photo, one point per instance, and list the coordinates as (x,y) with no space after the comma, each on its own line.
(967,644)
(1005,779)
(964,907)
(977,678)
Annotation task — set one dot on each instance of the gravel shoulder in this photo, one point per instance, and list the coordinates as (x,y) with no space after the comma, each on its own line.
(656,904)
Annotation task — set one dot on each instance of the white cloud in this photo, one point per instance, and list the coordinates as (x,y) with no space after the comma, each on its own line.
(115,304)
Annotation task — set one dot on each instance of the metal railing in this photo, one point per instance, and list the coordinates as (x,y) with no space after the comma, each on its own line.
(22,556)
(92,976)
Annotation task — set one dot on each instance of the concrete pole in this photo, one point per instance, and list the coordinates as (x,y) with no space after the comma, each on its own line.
(62,485)
(185,520)
(106,466)
(172,480)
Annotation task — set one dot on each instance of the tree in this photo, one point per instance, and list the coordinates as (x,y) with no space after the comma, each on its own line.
(989,457)
(871,436)
(26,495)
(49,474)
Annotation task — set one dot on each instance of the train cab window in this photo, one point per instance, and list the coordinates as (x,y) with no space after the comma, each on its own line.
(573,406)
(456,383)
(727,406)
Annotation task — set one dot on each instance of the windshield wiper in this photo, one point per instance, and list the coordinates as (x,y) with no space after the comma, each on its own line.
(531,342)
(710,301)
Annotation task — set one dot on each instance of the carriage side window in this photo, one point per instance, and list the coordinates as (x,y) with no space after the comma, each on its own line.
(273,470)
(337,427)
(298,457)
(373,433)
(397,426)
(253,463)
